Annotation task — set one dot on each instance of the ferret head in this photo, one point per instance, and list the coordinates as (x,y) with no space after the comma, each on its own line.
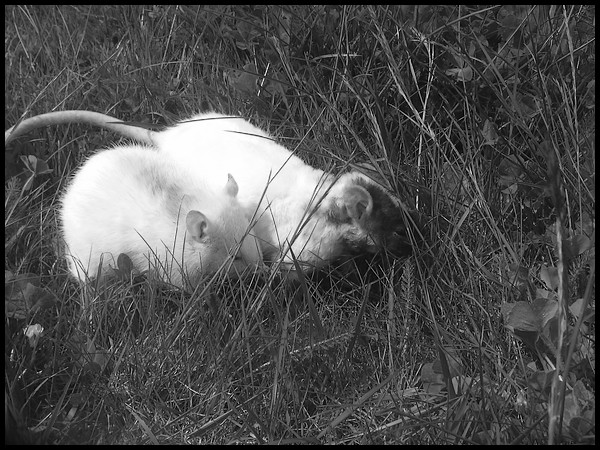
(356,217)
(378,220)
(214,239)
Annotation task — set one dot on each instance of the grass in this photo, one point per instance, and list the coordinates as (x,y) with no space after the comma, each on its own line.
(481,118)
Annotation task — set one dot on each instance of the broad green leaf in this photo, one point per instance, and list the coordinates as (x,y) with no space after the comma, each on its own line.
(529,338)
(541,381)
(432,374)
(517,276)
(36,165)
(432,379)
(526,105)
(549,275)
(490,132)
(544,309)
(88,357)
(23,295)
(545,293)
(29,161)
(247,33)
(453,360)
(461,74)
(582,425)
(582,395)
(520,316)
(571,409)
(512,166)
(462,383)
(549,336)
(244,80)
(520,272)
(577,245)
(577,309)
(510,190)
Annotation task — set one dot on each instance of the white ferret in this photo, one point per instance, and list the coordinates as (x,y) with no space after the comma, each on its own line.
(318,216)
(135,200)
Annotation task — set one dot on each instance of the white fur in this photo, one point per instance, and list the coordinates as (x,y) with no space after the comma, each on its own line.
(290,198)
(135,200)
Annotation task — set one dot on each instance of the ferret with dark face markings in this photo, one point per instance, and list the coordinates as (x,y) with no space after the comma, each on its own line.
(301,211)
(135,200)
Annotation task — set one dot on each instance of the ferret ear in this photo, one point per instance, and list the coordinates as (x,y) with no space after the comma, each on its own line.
(358,202)
(231,187)
(196,224)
